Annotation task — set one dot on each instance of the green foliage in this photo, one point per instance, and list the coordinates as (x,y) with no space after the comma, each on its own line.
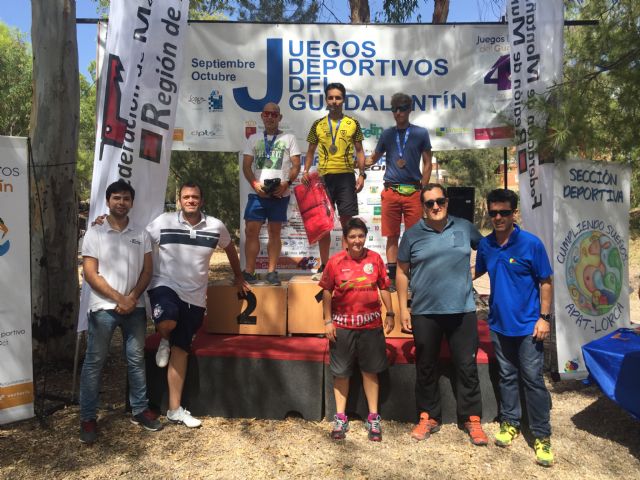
(597,112)
(473,168)
(398,11)
(15,82)
(198,9)
(298,11)
(218,175)
(87,133)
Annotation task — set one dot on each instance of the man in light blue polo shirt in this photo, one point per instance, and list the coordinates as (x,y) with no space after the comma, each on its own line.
(437,251)
(519,316)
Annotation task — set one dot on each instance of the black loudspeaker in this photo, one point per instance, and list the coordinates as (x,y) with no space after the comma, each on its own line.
(462,202)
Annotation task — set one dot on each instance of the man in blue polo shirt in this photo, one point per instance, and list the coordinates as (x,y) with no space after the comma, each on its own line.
(405,147)
(437,251)
(519,316)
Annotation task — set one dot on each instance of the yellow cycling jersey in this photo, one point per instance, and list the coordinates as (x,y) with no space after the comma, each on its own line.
(346,134)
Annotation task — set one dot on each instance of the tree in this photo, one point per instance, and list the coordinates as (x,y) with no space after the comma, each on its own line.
(298,11)
(15,82)
(87,133)
(54,211)
(595,112)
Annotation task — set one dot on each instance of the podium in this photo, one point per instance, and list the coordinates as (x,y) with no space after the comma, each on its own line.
(263,311)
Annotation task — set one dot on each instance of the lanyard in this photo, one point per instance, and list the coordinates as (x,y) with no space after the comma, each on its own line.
(404,143)
(268,145)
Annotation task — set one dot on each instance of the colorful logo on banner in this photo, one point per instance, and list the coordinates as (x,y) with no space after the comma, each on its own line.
(571,365)
(4,244)
(215,101)
(594,273)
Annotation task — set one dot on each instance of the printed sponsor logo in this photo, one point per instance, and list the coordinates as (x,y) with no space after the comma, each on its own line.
(215,101)
(442,131)
(250,128)
(4,242)
(493,133)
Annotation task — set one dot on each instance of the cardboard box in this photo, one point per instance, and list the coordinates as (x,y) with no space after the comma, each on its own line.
(263,312)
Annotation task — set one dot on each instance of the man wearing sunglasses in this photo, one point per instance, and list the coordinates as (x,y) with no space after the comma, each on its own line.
(404,146)
(437,251)
(519,316)
(337,138)
(271,163)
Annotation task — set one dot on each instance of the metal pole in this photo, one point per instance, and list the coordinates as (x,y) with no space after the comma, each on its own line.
(75,367)
(506,168)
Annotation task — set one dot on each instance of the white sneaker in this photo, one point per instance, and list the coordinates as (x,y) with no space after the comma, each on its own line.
(162,356)
(180,415)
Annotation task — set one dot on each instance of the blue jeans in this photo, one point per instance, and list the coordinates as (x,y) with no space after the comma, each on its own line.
(101,327)
(522,358)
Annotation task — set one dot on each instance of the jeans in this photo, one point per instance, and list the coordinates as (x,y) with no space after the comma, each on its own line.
(101,327)
(522,358)
(461,330)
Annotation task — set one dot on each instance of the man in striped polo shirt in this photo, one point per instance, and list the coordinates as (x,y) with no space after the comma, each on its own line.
(183,244)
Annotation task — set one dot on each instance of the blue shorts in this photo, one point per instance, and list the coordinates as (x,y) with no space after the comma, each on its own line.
(260,209)
(167,305)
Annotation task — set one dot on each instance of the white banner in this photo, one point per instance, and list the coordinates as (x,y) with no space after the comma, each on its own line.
(296,254)
(16,373)
(458,77)
(591,245)
(536,35)
(137,102)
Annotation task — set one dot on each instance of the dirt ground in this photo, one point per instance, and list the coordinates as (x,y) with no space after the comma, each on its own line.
(592,438)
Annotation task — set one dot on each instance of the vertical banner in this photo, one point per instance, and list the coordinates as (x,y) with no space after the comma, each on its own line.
(16,371)
(535,32)
(137,103)
(591,245)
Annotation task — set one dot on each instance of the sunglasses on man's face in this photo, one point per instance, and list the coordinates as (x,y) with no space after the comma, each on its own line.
(401,108)
(503,213)
(271,114)
(440,201)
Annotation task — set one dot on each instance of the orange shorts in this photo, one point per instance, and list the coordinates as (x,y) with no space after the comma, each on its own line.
(398,208)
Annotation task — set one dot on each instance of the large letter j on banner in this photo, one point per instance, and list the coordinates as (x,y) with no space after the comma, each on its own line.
(274,80)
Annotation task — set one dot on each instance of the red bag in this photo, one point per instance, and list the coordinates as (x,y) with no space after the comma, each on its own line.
(315,208)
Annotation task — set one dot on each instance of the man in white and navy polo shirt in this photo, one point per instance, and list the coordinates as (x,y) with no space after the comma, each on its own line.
(117,264)
(183,244)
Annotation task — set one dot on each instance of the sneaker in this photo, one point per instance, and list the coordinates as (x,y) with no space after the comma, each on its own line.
(148,420)
(340,427)
(374,428)
(273,279)
(474,428)
(88,431)
(180,415)
(544,455)
(250,278)
(508,432)
(162,355)
(316,277)
(425,427)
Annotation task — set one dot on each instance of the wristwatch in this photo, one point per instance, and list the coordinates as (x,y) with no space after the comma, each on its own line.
(546,317)
(363,175)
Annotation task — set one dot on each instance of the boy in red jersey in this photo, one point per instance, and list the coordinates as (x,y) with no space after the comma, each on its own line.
(354,323)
